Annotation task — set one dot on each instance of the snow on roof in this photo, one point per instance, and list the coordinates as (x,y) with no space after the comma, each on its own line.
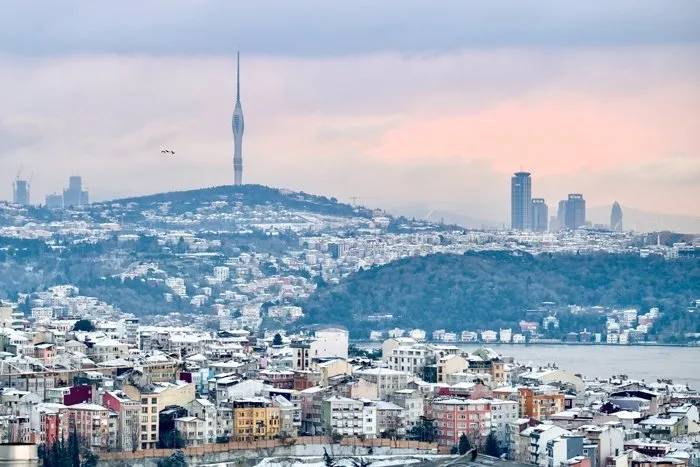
(670,421)
(380,371)
(88,406)
(627,414)
(187,419)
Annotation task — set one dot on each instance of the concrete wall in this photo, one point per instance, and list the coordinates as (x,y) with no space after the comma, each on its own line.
(250,453)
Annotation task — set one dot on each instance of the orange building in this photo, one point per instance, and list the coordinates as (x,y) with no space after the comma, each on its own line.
(539,405)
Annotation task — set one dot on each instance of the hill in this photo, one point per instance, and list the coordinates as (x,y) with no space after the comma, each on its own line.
(251,195)
(497,289)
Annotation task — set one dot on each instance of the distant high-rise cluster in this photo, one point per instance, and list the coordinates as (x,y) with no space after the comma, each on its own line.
(20,192)
(238,126)
(527,213)
(616,217)
(571,213)
(73,196)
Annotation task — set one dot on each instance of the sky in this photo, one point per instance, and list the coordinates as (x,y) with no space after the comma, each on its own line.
(420,107)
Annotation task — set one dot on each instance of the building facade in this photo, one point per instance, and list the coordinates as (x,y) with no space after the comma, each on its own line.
(540,215)
(575,211)
(521,201)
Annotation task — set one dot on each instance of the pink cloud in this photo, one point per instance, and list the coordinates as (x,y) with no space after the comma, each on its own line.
(556,133)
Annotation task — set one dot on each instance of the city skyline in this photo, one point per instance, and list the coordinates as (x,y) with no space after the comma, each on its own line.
(463,233)
(582,109)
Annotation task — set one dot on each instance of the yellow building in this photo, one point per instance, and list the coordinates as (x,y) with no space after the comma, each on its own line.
(255,418)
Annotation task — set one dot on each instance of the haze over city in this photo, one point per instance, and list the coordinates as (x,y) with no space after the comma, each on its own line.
(362,102)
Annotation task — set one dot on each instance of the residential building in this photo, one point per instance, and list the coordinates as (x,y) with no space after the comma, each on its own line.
(255,418)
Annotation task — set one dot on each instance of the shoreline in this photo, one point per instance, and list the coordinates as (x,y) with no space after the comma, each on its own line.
(535,344)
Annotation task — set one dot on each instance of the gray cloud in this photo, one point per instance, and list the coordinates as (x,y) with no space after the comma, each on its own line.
(317,27)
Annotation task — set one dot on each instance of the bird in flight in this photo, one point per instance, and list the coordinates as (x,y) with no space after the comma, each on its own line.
(164,150)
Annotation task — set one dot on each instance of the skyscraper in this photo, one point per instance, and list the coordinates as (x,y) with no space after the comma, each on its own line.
(74,195)
(20,192)
(539,215)
(616,217)
(575,211)
(561,216)
(237,125)
(521,201)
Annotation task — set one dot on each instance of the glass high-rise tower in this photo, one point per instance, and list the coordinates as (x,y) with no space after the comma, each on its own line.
(575,211)
(521,201)
(616,217)
(540,215)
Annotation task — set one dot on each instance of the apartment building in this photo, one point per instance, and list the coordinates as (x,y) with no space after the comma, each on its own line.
(255,418)
(455,416)
(349,417)
(540,404)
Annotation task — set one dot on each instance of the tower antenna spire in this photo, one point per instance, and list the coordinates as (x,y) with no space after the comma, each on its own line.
(238,75)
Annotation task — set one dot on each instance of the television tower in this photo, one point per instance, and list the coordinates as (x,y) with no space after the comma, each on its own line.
(237,125)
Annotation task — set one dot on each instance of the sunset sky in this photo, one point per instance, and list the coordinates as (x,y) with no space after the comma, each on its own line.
(408,105)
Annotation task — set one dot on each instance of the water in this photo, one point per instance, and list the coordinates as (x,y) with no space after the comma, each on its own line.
(681,364)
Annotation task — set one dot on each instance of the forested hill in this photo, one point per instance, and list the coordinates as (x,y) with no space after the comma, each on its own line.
(497,289)
(252,195)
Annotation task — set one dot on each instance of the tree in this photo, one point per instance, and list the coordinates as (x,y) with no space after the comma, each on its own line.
(172,439)
(491,446)
(74,447)
(393,424)
(176,459)
(464,445)
(425,430)
(83,325)
(55,455)
(328,460)
(277,340)
(66,454)
(89,459)
(360,462)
